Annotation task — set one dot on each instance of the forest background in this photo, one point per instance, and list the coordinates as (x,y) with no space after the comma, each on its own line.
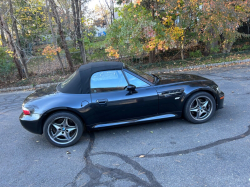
(44,41)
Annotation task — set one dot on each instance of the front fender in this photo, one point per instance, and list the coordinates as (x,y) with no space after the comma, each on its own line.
(207,89)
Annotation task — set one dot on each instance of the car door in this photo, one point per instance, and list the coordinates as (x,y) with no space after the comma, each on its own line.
(111,102)
(170,99)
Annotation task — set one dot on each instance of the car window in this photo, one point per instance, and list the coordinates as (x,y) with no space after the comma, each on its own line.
(68,80)
(105,81)
(135,81)
(146,76)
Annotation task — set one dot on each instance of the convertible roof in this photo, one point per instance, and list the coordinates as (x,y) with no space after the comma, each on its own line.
(79,82)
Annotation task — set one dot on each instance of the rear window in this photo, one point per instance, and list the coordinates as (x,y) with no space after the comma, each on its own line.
(68,80)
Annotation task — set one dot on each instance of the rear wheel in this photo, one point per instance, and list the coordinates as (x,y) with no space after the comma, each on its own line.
(200,107)
(63,129)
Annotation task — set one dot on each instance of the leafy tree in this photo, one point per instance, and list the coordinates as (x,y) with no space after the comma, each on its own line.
(147,25)
(137,31)
(61,33)
(219,20)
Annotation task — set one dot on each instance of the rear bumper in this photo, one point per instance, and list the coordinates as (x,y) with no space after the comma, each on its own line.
(31,123)
(220,103)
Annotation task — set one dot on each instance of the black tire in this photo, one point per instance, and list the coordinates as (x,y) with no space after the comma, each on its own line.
(63,129)
(199,108)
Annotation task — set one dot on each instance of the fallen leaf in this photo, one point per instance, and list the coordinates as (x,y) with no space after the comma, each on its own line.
(37,141)
(140,173)
(141,156)
(151,131)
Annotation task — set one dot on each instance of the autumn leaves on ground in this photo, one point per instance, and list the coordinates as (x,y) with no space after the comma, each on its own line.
(44,41)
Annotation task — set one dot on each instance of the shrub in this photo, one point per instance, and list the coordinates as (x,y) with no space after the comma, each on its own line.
(245,47)
(76,55)
(6,63)
(195,54)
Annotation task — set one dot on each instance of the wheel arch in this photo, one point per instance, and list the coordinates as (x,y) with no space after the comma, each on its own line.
(211,92)
(61,109)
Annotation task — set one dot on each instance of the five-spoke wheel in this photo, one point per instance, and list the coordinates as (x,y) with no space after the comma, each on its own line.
(63,129)
(200,107)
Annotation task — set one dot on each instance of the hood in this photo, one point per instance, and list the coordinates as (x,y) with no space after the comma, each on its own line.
(175,78)
(41,93)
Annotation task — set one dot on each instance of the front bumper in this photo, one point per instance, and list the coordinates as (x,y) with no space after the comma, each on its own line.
(220,103)
(31,123)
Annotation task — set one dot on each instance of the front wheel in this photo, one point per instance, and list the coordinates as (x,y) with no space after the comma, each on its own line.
(63,129)
(200,107)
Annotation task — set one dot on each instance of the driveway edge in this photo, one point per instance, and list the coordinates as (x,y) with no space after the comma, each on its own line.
(22,88)
(163,70)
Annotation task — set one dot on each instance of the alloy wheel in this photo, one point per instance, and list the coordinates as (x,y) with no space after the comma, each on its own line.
(201,108)
(62,130)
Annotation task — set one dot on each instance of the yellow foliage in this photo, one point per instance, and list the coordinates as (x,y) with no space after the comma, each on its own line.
(167,20)
(112,52)
(50,51)
(10,52)
(175,33)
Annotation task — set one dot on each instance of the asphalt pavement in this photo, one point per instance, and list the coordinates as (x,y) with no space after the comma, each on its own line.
(168,153)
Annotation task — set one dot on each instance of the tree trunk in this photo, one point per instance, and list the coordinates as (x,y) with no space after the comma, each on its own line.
(68,19)
(78,30)
(74,20)
(152,56)
(54,37)
(248,27)
(4,43)
(182,51)
(81,29)
(60,60)
(152,53)
(64,43)
(11,45)
(227,46)
(18,42)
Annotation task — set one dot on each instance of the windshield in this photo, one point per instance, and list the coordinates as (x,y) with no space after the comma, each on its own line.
(146,76)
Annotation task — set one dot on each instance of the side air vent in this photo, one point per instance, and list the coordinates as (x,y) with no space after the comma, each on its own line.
(171,92)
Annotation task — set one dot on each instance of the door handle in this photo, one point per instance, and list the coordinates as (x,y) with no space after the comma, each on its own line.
(102,101)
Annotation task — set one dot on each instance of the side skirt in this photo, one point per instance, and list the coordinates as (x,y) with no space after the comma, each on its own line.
(133,121)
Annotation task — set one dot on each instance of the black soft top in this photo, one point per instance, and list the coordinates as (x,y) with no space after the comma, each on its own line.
(79,81)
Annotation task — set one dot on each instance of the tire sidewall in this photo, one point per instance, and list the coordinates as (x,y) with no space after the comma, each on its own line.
(73,117)
(186,111)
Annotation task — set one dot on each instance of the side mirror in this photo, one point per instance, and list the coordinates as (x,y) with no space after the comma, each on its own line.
(131,88)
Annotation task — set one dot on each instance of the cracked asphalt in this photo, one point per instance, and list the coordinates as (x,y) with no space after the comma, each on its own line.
(166,153)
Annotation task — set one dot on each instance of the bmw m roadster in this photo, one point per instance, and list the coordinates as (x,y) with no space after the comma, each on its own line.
(109,94)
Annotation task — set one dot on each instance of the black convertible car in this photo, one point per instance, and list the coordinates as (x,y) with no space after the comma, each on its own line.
(105,94)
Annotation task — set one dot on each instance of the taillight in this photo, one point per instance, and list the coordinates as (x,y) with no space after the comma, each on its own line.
(26,111)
